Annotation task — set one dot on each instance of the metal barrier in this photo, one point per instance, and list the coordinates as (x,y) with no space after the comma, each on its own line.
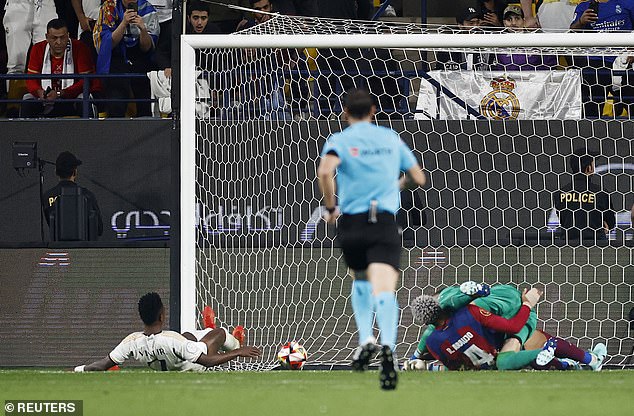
(85,100)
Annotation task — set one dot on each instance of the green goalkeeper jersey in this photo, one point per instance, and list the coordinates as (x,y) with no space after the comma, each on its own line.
(504,300)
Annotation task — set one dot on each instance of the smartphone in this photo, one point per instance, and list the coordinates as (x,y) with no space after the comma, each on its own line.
(594,6)
(133,6)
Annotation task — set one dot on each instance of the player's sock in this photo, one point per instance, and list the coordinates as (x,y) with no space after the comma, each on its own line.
(511,360)
(231,343)
(567,350)
(363,308)
(386,308)
(557,364)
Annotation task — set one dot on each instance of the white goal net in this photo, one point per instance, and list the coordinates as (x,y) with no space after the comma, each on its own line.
(494,119)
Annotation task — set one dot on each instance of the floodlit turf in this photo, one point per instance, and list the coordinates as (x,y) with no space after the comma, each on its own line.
(300,393)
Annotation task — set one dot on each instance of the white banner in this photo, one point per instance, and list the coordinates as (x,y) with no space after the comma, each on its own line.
(499,95)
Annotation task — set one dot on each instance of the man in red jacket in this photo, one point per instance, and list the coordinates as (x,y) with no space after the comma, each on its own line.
(58,54)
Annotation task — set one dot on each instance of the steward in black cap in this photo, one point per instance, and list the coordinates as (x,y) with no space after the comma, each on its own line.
(66,168)
(584,209)
(65,164)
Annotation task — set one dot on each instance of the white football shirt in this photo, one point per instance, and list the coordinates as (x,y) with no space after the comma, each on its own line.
(165,351)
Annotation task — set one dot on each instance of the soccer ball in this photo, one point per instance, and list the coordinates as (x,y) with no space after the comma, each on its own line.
(292,356)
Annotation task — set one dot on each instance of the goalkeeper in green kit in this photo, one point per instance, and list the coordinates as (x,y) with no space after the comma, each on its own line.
(505,301)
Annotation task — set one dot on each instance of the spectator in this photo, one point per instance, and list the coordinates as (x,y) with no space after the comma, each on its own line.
(58,54)
(66,169)
(198,19)
(552,15)
(264,78)
(87,12)
(492,12)
(227,18)
(261,5)
(3,61)
(470,19)
(584,209)
(125,39)
(297,84)
(162,56)
(298,7)
(24,24)
(339,67)
(514,22)
(613,15)
(346,9)
(66,11)
(160,82)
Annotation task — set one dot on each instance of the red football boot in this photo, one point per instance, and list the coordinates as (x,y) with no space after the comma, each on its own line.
(238,333)
(209,317)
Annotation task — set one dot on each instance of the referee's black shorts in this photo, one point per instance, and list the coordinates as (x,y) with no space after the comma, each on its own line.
(363,243)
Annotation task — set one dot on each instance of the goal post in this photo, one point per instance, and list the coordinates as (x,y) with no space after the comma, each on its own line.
(187,187)
(424,41)
(255,115)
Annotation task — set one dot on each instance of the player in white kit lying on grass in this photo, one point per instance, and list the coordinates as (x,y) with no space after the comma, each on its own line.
(171,351)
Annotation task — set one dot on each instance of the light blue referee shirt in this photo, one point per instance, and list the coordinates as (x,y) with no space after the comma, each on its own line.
(372,158)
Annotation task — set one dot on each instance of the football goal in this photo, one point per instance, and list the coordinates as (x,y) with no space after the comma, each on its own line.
(494,118)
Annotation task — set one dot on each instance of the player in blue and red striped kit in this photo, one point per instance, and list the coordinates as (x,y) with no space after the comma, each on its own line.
(519,349)
(472,337)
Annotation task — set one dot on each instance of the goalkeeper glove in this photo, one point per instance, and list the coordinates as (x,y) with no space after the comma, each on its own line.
(414,364)
(475,289)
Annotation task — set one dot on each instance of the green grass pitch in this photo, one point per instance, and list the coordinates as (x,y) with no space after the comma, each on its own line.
(136,392)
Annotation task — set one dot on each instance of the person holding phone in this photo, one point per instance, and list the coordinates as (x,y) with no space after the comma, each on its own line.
(492,12)
(599,16)
(125,36)
(604,15)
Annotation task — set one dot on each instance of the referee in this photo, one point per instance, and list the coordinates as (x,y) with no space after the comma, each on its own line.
(368,160)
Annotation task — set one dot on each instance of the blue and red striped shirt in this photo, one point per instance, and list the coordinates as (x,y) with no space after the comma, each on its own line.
(472,337)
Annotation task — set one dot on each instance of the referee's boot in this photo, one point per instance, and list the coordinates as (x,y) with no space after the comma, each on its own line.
(388,376)
(362,356)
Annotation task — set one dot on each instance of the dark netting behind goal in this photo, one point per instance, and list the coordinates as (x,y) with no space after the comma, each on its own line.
(495,140)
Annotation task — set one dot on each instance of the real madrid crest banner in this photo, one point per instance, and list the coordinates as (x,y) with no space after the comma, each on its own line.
(499,95)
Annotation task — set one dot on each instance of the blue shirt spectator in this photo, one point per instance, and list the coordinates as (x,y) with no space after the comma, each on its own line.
(613,15)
